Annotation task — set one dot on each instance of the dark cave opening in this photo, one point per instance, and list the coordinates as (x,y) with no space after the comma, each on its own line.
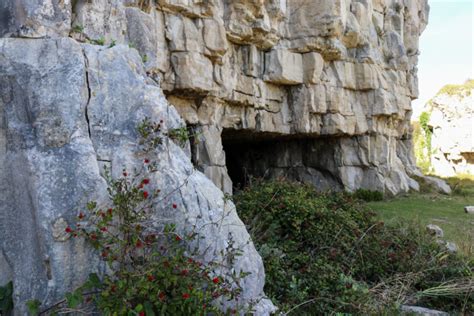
(269,156)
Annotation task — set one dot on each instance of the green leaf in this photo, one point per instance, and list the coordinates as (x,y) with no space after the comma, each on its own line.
(139,308)
(94,279)
(33,307)
(149,309)
(73,299)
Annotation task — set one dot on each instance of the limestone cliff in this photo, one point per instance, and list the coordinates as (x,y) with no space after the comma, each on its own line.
(452,124)
(313,90)
(334,75)
(318,91)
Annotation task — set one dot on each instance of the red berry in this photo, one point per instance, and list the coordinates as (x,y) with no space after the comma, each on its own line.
(151,278)
(125,174)
(139,244)
(81,215)
(186,296)
(215,280)
(146,181)
(141,314)
(174,205)
(161,296)
(68,230)
(146,160)
(178,238)
(104,229)
(184,272)
(110,211)
(145,194)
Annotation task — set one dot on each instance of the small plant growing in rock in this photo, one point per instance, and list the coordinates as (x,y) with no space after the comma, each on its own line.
(99,41)
(78,28)
(182,135)
(154,269)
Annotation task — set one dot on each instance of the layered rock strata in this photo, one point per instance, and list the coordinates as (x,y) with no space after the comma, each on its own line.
(340,70)
(343,71)
(320,90)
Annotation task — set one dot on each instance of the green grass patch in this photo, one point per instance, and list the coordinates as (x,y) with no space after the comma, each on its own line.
(430,208)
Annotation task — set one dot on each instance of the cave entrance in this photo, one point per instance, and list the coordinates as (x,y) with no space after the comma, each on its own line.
(245,154)
(266,156)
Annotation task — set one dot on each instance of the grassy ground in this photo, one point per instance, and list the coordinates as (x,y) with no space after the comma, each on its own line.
(430,208)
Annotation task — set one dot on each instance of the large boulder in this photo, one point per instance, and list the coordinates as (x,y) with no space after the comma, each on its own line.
(66,110)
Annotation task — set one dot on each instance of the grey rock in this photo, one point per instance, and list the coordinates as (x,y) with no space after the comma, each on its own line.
(452,247)
(35,18)
(435,230)
(439,185)
(421,311)
(62,119)
(469,209)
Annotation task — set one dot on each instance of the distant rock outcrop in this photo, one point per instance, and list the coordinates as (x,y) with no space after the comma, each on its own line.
(451,123)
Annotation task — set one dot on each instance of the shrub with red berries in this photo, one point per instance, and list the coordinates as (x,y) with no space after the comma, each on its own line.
(154,271)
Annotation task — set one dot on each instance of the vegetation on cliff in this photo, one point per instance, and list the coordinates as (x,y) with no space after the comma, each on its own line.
(422,135)
(458,89)
(326,252)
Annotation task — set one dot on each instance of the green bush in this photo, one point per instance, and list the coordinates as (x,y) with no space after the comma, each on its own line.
(368,195)
(324,252)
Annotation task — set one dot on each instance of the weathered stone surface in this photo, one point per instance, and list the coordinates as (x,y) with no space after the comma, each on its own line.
(60,122)
(469,209)
(313,64)
(193,71)
(452,114)
(435,230)
(283,67)
(35,18)
(101,19)
(417,310)
(145,32)
(452,247)
(316,91)
(440,185)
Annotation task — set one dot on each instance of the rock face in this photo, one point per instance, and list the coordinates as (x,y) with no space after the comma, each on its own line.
(67,109)
(333,79)
(312,90)
(452,122)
